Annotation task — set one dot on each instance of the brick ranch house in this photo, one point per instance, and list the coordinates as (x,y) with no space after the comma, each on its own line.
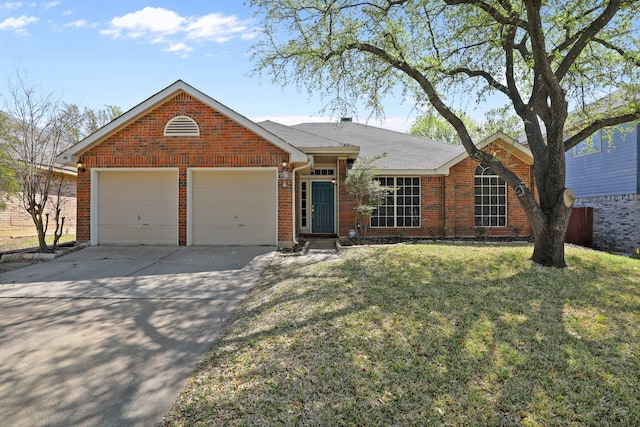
(182,169)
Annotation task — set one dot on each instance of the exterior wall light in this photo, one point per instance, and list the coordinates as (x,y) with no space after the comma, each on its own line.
(80,167)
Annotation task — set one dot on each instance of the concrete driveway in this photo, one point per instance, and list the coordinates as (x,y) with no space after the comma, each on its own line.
(108,336)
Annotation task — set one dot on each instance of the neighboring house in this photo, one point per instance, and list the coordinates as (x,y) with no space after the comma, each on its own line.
(15,221)
(604,174)
(182,169)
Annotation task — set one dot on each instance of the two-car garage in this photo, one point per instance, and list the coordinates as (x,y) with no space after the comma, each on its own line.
(224,206)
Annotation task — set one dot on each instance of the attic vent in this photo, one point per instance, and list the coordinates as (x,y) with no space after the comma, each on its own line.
(181,126)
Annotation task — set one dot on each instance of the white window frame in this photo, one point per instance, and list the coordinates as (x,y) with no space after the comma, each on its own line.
(592,145)
(489,188)
(396,194)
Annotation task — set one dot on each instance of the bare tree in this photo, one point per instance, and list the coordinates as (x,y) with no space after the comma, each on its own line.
(34,131)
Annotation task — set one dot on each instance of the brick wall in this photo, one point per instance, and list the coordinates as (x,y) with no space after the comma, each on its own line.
(460,203)
(447,203)
(222,143)
(616,221)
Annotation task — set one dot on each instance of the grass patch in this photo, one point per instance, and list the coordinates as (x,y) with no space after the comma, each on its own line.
(428,335)
(17,243)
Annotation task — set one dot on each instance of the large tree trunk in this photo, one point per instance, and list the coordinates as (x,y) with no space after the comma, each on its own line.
(550,218)
(551,222)
(548,249)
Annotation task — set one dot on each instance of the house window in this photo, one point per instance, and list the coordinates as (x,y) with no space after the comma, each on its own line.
(323,172)
(490,199)
(303,204)
(181,126)
(401,207)
(591,145)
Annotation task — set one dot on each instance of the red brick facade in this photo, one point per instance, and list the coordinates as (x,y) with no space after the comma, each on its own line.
(222,142)
(137,140)
(447,203)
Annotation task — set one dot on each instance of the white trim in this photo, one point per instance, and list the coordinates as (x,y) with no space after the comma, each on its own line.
(482,186)
(307,228)
(412,172)
(395,203)
(190,172)
(93,197)
(294,219)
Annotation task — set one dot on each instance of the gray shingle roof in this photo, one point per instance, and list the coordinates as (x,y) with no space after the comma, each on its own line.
(300,138)
(404,151)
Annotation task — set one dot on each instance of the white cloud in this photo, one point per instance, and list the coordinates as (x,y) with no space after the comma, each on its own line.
(81,23)
(18,24)
(148,22)
(159,25)
(11,5)
(216,27)
(179,48)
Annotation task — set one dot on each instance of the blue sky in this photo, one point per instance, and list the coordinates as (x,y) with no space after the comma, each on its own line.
(94,53)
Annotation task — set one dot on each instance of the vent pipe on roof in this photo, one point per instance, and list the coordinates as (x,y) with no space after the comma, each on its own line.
(346,119)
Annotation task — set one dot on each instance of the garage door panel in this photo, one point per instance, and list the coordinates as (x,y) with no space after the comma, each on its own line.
(234,208)
(138,207)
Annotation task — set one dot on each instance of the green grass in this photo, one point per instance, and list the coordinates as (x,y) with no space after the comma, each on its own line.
(11,244)
(428,335)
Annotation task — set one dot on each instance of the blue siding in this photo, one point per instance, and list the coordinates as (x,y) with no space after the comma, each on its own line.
(613,170)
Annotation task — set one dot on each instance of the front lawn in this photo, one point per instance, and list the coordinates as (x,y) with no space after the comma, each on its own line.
(428,335)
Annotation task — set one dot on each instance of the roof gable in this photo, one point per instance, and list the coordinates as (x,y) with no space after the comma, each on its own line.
(71,155)
(509,144)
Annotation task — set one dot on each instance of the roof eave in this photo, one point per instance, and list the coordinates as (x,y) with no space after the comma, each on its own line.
(413,172)
(338,151)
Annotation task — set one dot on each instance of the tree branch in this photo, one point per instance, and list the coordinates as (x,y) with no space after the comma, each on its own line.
(483,74)
(618,49)
(586,35)
(512,19)
(596,125)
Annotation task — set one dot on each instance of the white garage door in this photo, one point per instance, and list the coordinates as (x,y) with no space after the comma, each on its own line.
(138,207)
(233,207)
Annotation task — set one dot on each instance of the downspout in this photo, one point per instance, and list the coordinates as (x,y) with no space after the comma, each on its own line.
(444,207)
(293,195)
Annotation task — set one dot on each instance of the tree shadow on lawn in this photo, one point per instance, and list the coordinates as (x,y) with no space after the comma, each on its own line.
(416,336)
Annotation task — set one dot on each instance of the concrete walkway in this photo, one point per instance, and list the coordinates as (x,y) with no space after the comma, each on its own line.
(108,336)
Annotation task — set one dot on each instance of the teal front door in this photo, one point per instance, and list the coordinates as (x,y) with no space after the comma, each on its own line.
(323,211)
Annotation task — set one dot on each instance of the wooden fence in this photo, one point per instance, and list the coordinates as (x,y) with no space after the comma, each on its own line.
(580,231)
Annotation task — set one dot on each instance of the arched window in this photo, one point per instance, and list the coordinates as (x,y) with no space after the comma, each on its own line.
(490,199)
(181,126)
